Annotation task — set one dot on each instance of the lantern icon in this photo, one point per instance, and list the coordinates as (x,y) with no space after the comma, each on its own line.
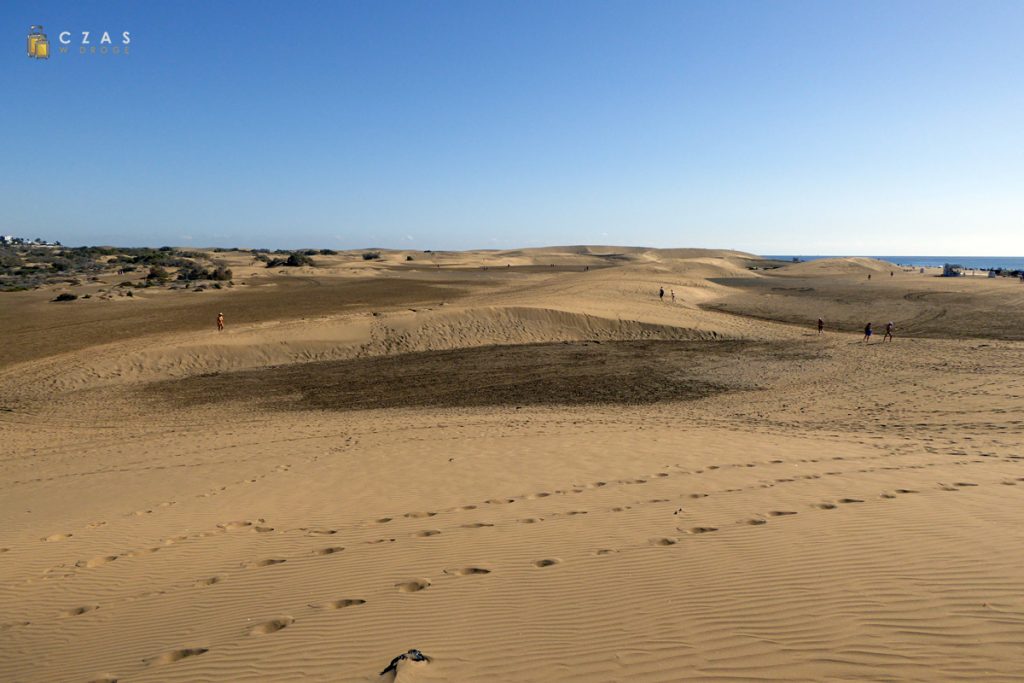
(38,44)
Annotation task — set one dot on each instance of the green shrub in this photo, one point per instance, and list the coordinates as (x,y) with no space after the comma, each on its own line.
(294,260)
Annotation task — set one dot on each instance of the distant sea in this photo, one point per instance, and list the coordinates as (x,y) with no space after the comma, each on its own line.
(975,262)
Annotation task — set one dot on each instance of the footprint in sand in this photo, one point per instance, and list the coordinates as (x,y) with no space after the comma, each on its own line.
(427,533)
(76,611)
(96,561)
(272,626)
(550,562)
(414,586)
(340,604)
(57,537)
(264,563)
(701,529)
(209,581)
(470,571)
(328,551)
(178,655)
(605,551)
(755,521)
(847,501)
(781,513)
(476,525)
(663,540)
(419,515)
(826,506)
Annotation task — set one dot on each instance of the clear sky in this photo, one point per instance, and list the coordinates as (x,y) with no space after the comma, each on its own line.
(772,127)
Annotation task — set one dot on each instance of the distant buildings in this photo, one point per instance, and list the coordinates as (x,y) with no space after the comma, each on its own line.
(10,240)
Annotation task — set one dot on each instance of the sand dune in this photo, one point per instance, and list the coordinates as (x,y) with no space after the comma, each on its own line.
(528,473)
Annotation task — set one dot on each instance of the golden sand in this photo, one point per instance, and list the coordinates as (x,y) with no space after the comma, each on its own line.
(524,464)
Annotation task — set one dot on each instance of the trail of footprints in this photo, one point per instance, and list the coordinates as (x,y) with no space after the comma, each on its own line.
(260,525)
(576,488)
(421,584)
(417,585)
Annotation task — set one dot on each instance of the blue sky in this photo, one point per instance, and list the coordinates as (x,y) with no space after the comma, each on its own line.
(773,127)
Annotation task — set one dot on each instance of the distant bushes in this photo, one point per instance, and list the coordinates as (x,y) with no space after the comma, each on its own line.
(66,296)
(294,260)
(327,252)
(196,272)
(158,273)
(371,255)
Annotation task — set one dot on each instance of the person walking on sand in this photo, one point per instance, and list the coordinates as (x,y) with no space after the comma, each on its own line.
(821,325)
(673,293)
(888,331)
(661,293)
(867,333)
(220,322)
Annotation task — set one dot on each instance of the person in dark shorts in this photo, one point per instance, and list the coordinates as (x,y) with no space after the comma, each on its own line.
(661,293)
(888,331)
(821,325)
(867,333)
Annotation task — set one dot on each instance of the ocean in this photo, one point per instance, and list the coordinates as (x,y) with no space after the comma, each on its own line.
(972,262)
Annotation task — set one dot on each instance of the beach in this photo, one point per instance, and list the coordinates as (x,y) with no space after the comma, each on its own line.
(525,464)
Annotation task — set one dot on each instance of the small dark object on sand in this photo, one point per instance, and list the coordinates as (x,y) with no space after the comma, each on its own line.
(414,655)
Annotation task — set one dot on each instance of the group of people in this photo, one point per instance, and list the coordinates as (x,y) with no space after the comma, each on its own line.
(868,330)
(888,332)
(661,294)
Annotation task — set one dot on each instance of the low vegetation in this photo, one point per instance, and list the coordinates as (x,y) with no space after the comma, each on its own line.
(30,265)
(294,260)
